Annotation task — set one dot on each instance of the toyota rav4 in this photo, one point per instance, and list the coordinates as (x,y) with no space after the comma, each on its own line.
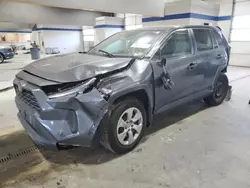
(110,94)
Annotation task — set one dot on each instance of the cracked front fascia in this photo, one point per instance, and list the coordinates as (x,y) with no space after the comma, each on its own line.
(92,103)
(90,108)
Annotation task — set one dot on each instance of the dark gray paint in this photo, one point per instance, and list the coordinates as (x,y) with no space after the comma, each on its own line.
(73,120)
(75,67)
(5,52)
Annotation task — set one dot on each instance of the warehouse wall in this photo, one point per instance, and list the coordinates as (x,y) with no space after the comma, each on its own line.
(186,12)
(172,11)
(14,36)
(107,26)
(206,12)
(226,8)
(14,33)
(88,33)
(66,38)
(177,12)
(132,21)
(240,36)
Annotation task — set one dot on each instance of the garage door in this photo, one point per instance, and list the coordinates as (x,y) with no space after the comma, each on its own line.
(240,34)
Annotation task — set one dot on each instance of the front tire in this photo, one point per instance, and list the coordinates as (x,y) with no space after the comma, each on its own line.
(220,91)
(126,126)
(1,58)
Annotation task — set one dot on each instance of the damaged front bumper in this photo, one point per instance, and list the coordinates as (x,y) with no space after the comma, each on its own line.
(56,123)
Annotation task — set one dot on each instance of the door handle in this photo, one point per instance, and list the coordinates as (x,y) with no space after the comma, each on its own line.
(219,56)
(191,66)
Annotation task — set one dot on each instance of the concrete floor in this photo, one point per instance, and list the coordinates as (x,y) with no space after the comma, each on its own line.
(190,147)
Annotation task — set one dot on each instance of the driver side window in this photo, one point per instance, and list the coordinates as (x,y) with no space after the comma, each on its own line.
(178,44)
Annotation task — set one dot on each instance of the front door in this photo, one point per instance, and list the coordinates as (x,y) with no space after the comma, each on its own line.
(174,70)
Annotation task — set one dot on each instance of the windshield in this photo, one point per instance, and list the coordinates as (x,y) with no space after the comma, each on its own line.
(127,44)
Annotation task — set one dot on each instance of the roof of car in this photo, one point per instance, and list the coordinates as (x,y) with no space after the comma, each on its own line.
(166,28)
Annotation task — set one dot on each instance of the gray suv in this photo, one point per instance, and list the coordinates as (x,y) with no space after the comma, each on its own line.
(110,94)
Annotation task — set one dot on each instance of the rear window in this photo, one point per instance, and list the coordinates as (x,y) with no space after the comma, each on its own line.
(218,39)
(203,39)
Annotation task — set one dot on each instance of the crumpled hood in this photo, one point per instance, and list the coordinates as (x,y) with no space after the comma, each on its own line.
(74,67)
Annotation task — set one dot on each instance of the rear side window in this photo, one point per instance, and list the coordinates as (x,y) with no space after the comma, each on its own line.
(203,39)
(178,44)
(218,39)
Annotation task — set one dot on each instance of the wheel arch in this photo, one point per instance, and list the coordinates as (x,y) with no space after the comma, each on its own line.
(220,71)
(142,95)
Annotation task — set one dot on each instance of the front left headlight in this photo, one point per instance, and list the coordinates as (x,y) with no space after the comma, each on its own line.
(77,90)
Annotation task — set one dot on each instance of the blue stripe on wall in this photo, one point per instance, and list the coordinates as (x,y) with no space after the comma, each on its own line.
(176,16)
(203,17)
(11,31)
(109,26)
(223,18)
(55,29)
(152,19)
(187,15)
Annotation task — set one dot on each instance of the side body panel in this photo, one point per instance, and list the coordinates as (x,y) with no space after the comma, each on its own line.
(209,64)
(183,77)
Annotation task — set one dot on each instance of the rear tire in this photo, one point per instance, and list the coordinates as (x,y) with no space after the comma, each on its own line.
(122,134)
(1,58)
(220,91)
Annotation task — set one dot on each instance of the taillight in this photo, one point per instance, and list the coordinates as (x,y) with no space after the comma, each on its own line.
(10,50)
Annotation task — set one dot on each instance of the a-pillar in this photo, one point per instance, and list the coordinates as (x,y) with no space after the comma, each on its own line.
(107,26)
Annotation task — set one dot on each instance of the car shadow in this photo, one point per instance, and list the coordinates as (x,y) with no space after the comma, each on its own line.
(176,115)
(20,140)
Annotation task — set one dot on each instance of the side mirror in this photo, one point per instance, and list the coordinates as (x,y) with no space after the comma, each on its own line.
(163,62)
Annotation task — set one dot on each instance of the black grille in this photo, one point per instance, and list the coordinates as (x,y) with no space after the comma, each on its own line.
(28,98)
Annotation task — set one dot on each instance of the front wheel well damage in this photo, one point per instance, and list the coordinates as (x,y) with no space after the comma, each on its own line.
(141,95)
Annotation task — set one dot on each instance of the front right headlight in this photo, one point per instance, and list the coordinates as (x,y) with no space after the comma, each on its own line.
(77,90)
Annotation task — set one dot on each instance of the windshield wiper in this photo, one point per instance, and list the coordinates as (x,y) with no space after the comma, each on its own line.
(109,54)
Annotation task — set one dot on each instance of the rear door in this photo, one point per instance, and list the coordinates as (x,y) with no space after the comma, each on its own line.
(220,56)
(207,62)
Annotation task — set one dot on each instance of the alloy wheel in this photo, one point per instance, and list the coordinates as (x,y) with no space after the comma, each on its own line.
(129,126)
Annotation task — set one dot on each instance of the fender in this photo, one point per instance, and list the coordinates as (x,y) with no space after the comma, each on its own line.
(138,77)
(220,70)
(136,88)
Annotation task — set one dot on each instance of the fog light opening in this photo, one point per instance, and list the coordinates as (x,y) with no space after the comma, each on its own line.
(62,147)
